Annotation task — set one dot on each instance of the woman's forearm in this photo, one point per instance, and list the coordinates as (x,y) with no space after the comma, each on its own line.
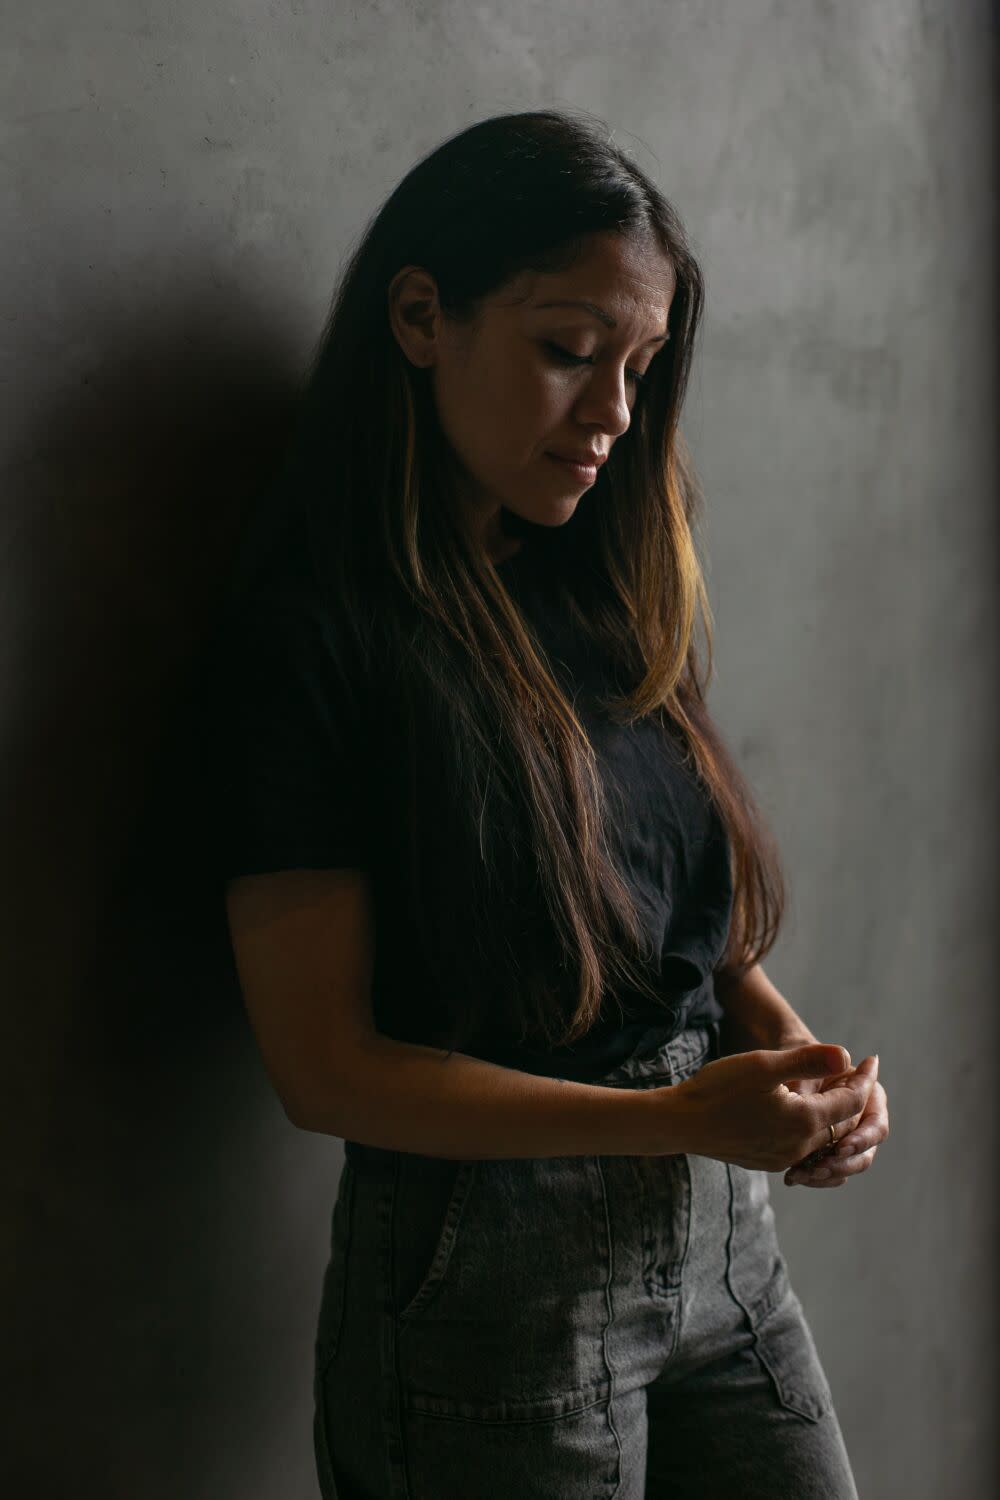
(404,1096)
(758,1011)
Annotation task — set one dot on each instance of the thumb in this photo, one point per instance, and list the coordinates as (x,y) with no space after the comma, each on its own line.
(811,1061)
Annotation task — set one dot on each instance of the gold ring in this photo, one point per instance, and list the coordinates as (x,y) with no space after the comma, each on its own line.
(833,1135)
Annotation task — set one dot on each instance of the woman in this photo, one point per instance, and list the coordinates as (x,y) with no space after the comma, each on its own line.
(498,894)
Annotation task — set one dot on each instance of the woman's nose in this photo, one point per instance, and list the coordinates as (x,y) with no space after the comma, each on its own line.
(605,404)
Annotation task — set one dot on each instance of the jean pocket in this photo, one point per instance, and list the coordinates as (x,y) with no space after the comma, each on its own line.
(334,1293)
(508,1295)
(430,1195)
(758,1278)
(785,1346)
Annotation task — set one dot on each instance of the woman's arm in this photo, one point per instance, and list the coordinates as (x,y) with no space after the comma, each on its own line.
(757,1014)
(303,942)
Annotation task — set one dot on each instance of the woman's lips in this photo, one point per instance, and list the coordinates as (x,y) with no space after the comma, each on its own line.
(585,473)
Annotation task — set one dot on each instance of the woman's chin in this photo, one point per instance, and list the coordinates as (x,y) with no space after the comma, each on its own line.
(545,514)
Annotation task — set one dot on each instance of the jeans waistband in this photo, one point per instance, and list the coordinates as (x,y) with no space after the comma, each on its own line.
(669,1059)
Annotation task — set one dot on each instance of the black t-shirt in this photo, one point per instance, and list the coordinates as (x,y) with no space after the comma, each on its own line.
(290,756)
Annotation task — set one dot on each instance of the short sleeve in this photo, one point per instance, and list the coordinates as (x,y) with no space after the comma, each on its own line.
(287,745)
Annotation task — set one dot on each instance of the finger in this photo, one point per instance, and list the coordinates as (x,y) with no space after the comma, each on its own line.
(869,1135)
(823,1155)
(854,1123)
(861,1078)
(834,1182)
(878,1101)
(828,1175)
(821,1083)
(841,1130)
(851,1166)
(831,1148)
(806,1181)
(837,1105)
(867,1130)
(813,1060)
(870,1128)
(867,1068)
(835,1078)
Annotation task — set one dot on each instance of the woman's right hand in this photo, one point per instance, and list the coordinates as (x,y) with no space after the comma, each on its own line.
(739,1109)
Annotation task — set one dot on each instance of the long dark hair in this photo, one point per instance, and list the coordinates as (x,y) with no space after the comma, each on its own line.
(523,918)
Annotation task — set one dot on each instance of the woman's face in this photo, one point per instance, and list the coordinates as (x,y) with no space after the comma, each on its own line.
(528,385)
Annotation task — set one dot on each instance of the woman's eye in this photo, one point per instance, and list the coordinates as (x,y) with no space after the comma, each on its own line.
(567,357)
(565,354)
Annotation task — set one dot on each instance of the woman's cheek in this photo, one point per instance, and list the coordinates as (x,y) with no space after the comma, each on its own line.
(549,403)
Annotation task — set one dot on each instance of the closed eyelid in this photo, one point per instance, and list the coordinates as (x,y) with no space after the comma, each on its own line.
(588,359)
(574,331)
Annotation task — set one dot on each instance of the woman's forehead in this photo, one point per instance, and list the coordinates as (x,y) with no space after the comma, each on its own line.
(614,283)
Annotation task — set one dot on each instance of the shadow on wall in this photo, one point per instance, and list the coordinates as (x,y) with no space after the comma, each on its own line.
(135,1097)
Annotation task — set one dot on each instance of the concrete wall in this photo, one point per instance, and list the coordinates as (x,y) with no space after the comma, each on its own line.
(180,183)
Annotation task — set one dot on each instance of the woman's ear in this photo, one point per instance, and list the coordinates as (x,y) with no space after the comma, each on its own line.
(415,314)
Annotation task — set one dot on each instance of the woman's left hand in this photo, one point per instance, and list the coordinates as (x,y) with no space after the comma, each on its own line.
(855,1150)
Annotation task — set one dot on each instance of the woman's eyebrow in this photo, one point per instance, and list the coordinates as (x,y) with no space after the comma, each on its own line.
(598,312)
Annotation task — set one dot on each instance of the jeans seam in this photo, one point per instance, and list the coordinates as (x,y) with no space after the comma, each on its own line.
(609,1304)
(449,1228)
(326,1352)
(324,1459)
(678,1322)
(729,1256)
(393,1423)
(756,1316)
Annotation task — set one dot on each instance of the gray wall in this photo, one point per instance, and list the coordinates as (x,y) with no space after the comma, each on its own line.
(181,183)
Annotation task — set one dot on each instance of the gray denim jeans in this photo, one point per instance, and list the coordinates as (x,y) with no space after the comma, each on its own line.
(567,1328)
